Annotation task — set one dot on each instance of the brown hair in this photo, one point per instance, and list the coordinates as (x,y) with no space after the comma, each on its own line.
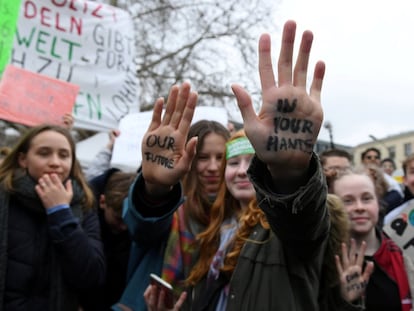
(116,189)
(4,151)
(334,153)
(406,162)
(197,203)
(11,166)
(224,207)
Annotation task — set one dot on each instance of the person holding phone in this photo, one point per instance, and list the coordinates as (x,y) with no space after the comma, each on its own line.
(161,223)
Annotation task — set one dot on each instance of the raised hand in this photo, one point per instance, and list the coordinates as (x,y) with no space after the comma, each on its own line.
(166,154)
(353,279)
(52,192)
(287,126)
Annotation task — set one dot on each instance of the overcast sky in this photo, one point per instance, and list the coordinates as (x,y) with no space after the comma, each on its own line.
(368,47)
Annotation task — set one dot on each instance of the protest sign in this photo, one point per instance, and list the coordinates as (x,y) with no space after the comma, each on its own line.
(127,148)
(31,99)
(401,229)
(9,11)
(85,43)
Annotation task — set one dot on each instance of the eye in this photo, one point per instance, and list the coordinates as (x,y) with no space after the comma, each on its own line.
(348,201)
(367,198)
(202,157)
(233,162)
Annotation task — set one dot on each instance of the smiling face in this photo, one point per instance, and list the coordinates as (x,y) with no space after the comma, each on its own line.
(236,178)
(358,195)
(209,161)
(49,152)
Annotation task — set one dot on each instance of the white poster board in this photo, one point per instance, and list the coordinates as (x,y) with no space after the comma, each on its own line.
(401,229)
(85,43)
(127,148)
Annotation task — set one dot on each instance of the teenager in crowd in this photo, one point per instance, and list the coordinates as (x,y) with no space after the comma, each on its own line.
(279,267)
(162,243)
(389,287)
(50,247)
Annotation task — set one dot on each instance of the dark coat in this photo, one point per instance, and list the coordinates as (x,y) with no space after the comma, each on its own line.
(116,249)
(46,260)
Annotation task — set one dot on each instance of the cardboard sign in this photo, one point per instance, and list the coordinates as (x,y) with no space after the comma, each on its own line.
(87,43)
(127,148)
(9,11)
(31,99)
(401,229)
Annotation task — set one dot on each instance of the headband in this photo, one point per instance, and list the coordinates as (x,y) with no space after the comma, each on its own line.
(238,146)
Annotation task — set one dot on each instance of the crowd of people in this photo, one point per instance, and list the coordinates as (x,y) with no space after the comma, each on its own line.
(251,219)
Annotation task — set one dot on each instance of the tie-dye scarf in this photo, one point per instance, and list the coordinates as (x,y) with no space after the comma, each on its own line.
(179,254)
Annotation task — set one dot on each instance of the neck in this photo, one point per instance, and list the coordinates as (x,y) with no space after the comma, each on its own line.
(371,239)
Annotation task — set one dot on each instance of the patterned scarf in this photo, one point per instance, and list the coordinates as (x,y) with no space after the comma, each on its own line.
(179,254)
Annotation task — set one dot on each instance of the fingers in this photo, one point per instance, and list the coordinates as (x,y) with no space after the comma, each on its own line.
(286,52)
(180,105)
(301,67)
(369,268)
(345,259)
(191,149)
(187,116)
(171,101)
(68,187)
(338,265)
(267,77)
(180,301)
(245,104)
(318,75)
(361,253)
(156,114)
(352,252)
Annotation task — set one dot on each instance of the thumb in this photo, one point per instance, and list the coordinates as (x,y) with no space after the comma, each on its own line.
(244,102)
(191,149)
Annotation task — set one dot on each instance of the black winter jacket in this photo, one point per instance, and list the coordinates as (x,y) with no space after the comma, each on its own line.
(46,260)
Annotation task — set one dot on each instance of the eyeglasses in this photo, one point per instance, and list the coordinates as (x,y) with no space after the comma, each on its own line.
(371,157)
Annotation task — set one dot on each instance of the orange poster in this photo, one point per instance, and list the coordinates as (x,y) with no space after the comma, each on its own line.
(31,99)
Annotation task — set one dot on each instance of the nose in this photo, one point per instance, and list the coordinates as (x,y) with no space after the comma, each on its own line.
(242,169)
(359,206)
(54,159)
(213,164)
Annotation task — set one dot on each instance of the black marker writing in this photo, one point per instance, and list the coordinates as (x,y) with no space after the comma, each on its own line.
(277,144)
(168,163)
(284,106)
(294,125)
(167,142)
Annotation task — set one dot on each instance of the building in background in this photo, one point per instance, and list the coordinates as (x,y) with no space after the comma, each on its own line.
(396,147)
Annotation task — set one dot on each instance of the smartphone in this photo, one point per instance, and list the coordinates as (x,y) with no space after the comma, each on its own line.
(166,287)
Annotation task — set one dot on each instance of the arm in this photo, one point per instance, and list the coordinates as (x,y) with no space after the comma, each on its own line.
(166,157)
(102,161)
(286,173)
(79,248)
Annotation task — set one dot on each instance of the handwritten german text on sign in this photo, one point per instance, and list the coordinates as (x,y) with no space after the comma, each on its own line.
(86,43)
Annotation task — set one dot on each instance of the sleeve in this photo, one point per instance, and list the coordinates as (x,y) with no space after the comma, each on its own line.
(99,165)
(79,247)
(300,220)
(149,222)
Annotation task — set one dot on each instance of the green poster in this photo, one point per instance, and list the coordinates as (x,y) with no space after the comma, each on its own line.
(9,12)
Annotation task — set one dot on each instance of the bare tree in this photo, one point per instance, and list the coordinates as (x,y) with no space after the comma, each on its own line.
(211,43)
